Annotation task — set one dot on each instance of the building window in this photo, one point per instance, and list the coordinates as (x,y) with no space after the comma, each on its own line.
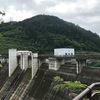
(71,53)
(65,53)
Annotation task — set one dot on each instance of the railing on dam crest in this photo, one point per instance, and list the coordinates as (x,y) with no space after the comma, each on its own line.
(88,92)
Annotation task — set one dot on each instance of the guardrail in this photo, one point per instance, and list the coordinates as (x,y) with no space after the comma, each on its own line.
(87,92)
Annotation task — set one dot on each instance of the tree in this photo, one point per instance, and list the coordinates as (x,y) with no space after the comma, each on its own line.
(71,88)
(2,13)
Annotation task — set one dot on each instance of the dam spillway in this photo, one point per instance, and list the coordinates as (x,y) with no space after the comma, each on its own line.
(36,82)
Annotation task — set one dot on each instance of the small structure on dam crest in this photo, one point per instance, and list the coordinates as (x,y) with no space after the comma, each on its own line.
(24,59)
(64,52)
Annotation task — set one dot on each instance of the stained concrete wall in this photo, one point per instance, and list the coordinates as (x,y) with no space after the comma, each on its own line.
(24,61)
(34,63)
(54,64)
(12,60)
(79,65)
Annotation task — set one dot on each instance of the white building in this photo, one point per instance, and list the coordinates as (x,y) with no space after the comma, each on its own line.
(64,52)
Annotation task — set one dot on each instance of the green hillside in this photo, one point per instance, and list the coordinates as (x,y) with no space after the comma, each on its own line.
(43,33)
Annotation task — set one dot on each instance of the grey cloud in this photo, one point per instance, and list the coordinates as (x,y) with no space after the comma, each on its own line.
(79,17)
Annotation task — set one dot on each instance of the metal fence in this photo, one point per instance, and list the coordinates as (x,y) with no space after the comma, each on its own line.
(87,92)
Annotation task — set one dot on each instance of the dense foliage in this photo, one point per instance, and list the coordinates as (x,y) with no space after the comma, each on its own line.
(94,64)
(2,13)
(43,33)
(70,88)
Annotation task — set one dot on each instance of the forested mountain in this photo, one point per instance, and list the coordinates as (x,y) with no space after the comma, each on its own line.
(43,33)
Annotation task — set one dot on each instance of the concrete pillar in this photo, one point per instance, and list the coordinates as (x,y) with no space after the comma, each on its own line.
(80,64)
(77,68)
(34,63)
(21,61)
(53,64)
(24,61)
(12,60)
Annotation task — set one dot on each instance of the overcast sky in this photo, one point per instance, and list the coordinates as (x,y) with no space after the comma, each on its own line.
(85,13)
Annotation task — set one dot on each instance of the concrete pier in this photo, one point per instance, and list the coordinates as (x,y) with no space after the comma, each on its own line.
(24,62)
(80,64)
(12,60)
(34,63)
(54,63)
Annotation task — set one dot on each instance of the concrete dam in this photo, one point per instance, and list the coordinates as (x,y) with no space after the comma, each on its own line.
(36,83)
